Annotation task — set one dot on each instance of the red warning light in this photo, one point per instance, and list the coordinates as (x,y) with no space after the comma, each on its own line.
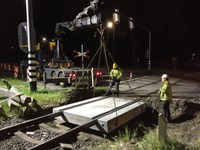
(98,73)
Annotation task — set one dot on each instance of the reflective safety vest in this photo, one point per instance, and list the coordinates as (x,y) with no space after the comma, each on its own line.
(116,73)
(166,91)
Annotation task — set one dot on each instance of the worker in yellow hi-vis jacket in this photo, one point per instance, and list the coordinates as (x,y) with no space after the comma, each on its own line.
(166,96)
(115,75)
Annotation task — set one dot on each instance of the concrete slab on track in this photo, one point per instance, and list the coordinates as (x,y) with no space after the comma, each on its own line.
(110,112)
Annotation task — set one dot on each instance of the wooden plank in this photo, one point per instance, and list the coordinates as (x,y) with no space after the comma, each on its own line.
(10,98)
(25,137)
(48,128)
(67,135)
(9,129)
(18,97)
(67,146)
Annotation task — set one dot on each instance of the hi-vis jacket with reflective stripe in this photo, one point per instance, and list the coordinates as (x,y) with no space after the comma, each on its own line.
(166,91)
(116,73)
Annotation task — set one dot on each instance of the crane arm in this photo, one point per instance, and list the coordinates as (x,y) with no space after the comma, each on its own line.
(87,18)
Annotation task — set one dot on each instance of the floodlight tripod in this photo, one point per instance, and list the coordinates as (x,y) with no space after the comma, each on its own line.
(102,49)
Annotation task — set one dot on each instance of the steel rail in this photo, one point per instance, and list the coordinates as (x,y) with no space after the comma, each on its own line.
(129,103)
(60,138)
(77,129)
(14,128)
(11,129)
(55,141)
(102,98)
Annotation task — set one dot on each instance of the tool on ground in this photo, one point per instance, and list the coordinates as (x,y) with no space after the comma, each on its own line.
(10,98)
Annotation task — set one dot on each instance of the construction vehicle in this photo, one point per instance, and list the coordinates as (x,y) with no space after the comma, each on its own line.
(63,68)
(52,64)
(91,17)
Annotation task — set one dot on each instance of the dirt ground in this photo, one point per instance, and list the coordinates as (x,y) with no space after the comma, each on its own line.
(185,124)
(185,121)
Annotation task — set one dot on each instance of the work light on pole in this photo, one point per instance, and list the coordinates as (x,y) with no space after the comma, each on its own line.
(131,23)
(116,17)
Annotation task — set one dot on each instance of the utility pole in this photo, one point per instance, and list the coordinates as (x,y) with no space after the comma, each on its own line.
(149,49)
(32,77)
(116,19)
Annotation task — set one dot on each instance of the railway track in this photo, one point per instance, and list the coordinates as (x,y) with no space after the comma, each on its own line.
(61,134)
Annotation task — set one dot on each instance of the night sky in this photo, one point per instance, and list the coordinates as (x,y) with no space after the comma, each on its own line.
(174,24)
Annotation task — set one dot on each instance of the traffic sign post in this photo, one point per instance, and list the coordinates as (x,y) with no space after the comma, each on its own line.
(82,54)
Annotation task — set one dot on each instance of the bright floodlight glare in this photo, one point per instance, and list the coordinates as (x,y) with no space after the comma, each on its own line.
(44,39)
(110,25)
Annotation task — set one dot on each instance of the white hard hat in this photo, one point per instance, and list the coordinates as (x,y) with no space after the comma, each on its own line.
(165,76)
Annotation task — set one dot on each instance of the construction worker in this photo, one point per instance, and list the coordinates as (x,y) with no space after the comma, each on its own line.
(115,75)
(165,93)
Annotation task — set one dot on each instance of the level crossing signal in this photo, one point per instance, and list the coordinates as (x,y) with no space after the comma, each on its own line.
(81,54)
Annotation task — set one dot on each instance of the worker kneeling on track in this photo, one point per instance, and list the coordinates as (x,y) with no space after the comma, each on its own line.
(115,75)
